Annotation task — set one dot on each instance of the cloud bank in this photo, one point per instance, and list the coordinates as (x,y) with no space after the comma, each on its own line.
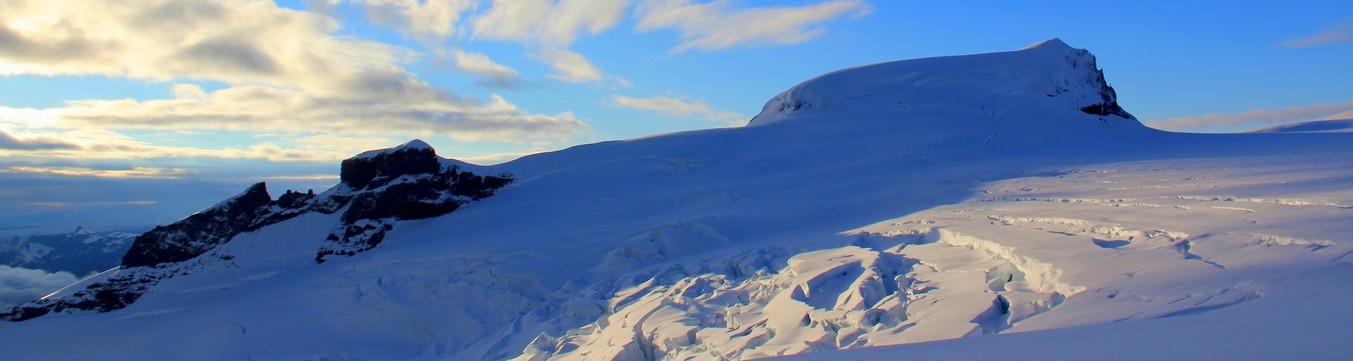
(676,107)
(20,285)
(718,25)
(1258,117)
(285,70)
(1340,32)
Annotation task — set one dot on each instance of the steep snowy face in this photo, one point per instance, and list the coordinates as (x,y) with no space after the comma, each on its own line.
(1046,77)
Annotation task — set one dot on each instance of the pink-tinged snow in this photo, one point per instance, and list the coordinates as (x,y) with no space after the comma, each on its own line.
(959,198)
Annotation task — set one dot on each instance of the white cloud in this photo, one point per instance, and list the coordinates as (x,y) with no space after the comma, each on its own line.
(284,71)
(374,106)
(718,25)
(1257,117)
(8,141)
(433,18)
(135,172)
(551,27)
(1340,116)
(570,67)
(676,107)
(1340,32)
(494,75)
(550,23)
(237,42)
(20,285)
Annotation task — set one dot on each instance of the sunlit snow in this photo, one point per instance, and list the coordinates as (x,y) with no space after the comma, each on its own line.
(966,197)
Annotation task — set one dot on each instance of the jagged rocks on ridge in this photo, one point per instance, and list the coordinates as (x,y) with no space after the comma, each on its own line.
(376,189)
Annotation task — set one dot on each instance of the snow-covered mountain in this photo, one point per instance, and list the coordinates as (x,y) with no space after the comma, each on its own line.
(895,203)
(35,264)
(1314,126)
(79,252)
(1334,123)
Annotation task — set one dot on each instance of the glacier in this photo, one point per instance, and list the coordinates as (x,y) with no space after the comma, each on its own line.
(983,205)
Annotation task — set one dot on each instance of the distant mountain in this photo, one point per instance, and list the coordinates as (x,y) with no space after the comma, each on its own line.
(1314,126)
(80,252)
(1007,195)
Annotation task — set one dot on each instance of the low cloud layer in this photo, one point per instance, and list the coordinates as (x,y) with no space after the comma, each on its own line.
(1257,117)
(20,285)
(676,107)
(718,24)
(1340,32)
(8,141)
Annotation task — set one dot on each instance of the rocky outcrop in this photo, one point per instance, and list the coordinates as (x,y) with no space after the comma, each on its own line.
(112,294)
(408,182)
(214,226)
(376,190)
(1108,104)
(200,232)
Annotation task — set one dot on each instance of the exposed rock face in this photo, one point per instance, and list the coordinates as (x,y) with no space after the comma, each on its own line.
(411,158)
(376,189)
(113,294)
(408,182)
(201,231)
(1108,104)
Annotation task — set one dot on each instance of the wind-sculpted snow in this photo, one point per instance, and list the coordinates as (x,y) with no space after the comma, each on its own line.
(760,304)
(1165,268)
(891,204)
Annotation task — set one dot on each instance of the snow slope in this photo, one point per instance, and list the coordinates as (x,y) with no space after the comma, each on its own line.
(1217,258)
(896,203)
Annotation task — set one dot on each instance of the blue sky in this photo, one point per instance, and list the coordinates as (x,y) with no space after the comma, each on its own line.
(133,113)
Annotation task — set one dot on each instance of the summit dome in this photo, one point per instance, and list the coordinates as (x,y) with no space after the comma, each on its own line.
(1045,78)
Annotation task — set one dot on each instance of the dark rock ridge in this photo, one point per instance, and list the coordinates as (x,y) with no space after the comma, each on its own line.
(202,231)
(376,189)
(380,188)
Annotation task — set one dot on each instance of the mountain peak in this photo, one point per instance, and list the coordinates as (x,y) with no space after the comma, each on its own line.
(1052,44)
(417,145)
(414,157)
(1046,80)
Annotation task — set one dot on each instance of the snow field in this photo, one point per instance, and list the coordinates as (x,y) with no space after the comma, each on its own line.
(902,203)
